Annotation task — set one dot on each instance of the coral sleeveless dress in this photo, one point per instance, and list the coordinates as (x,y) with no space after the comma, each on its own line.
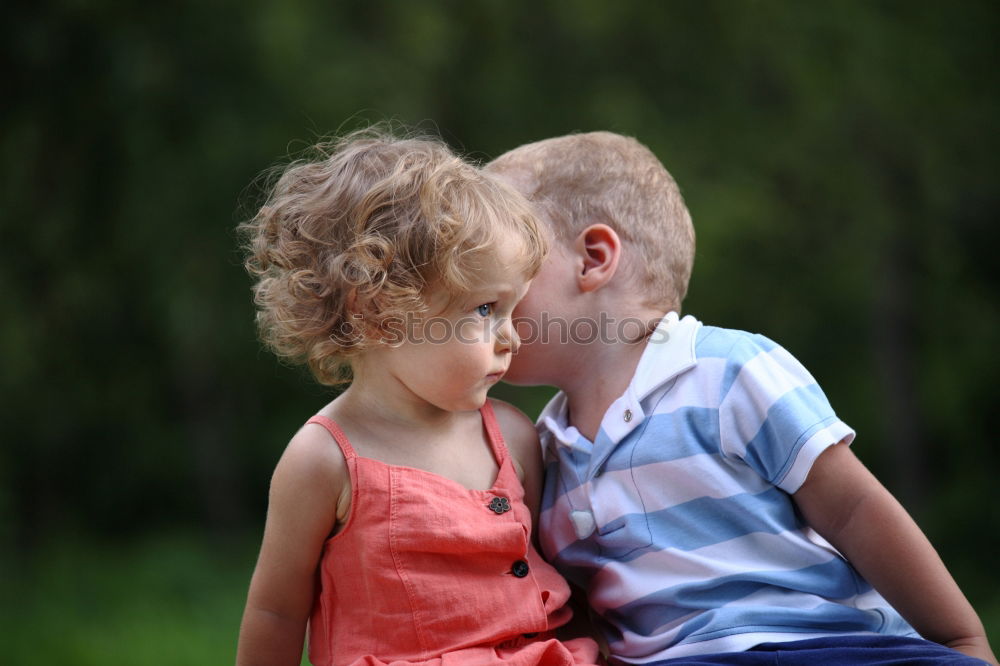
(426,571)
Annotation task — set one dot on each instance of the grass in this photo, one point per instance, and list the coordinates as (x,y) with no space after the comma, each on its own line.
(173,600)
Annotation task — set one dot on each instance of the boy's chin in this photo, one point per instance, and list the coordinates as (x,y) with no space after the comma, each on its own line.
(516,377)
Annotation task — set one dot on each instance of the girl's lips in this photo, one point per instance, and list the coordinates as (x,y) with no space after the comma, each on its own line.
(495,376)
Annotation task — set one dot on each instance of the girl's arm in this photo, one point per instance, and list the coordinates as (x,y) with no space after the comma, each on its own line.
(847,505)
(308,483)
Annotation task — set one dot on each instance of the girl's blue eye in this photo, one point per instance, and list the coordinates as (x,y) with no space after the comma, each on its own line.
(485,310)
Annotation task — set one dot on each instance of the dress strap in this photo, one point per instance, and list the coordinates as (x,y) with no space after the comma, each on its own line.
(493,431)
(337,434)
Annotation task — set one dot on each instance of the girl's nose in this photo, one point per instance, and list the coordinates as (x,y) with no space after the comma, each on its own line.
(507,338)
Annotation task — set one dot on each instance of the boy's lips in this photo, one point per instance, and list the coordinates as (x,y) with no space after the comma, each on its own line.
(495,376)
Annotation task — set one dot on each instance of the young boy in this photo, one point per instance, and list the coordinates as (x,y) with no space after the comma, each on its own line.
(700,488)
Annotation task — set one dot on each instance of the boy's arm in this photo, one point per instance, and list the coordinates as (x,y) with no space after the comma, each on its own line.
(302,510)
(847,505)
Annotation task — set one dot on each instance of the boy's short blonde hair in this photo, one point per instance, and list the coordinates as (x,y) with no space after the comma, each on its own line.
(353,235)
(601,177)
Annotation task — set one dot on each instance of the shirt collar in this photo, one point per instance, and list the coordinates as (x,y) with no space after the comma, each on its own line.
(669,352)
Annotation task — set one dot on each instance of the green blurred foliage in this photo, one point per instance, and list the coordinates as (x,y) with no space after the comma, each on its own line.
(838,160)
(167,600)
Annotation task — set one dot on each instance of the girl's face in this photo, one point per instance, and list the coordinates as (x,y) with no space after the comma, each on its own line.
(455,353)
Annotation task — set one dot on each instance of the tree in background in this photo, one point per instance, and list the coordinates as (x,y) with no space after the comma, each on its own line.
(838,161)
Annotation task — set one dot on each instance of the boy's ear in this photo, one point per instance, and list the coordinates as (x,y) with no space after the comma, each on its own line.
(600,249)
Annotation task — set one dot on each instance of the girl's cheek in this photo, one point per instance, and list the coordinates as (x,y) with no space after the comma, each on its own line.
(470,331)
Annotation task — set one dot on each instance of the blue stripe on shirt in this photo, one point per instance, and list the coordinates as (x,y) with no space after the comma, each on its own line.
(694,524)
(671,436)
(784,422)
(832,579)
(708,520)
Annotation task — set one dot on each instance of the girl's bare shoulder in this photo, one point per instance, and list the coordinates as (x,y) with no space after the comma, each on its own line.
(312,474)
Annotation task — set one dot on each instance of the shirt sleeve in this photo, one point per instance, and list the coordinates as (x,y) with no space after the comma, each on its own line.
(773,415)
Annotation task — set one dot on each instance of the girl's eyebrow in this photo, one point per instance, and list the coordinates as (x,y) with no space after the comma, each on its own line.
(493,292)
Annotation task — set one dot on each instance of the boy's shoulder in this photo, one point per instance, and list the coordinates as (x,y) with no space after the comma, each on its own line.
(732,358)
(732,344)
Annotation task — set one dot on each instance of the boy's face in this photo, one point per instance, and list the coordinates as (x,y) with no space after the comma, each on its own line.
(542,321)
(542,318)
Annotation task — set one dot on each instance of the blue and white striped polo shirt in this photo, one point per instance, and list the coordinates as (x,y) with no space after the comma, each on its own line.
(678,521)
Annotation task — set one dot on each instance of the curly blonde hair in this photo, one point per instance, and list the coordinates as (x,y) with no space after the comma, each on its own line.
(580,179)
(353,235)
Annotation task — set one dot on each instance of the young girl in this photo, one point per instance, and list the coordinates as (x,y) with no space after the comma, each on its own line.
(399,523)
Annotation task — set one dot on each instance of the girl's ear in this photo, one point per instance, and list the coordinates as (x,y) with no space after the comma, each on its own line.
(363,315)
(351,300)
(600,250)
